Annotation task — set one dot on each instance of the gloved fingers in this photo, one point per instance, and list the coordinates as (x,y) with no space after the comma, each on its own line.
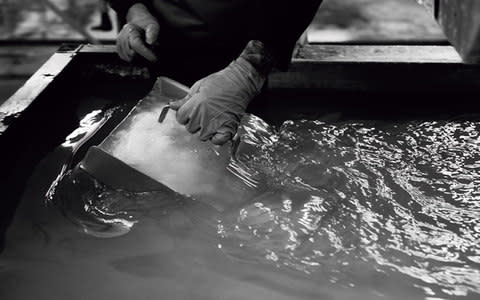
(137,44)
(221,138)
(129,52)
(205,137)
(183,114)
(175,105)
(196,119)
(192,126)
(196,87)
(151,33)
(225,132)
(210,125)
(122,52)
(122,44)
(218,133)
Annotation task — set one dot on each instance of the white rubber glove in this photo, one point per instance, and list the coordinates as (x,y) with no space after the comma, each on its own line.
(216,103)
(138,35)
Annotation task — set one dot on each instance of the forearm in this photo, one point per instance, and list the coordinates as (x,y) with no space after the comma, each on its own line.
(281,27)
(259,56)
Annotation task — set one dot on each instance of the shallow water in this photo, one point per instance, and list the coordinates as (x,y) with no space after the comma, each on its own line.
(402,197)
(344,210)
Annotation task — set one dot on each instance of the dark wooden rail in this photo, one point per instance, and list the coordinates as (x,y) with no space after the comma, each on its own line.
(341,68)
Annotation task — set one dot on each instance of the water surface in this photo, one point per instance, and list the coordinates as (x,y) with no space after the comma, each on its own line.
(343,210)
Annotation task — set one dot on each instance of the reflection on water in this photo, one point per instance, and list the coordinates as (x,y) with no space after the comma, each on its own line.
(102,212)
(403,197)
(378,208)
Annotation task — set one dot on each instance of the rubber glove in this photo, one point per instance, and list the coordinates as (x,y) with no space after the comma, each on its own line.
(216,103)
(140,32)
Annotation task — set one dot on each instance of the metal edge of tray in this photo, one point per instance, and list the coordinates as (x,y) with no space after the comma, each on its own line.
(115,173)
(368,68)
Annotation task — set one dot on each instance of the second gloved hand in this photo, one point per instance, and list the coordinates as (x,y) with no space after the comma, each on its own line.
(216,103)
(138,35)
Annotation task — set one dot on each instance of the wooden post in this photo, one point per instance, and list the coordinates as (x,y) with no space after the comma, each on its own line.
(429,5)
(460,21)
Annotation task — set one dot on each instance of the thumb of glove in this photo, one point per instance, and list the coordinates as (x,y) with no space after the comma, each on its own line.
(175,105)
(221,138)
(151,33)
(224,133)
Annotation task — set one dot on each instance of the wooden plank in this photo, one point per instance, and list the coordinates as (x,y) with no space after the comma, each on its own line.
(333,67)
(23,60)
(9,86)
(89,48)
(349,53)
(367,68)
(379,54)
(394,69)
(26,95)
(387,79)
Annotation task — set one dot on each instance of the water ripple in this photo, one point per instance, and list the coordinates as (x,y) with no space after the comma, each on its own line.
(402,197)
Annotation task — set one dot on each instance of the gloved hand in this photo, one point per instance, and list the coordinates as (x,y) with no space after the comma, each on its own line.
(140,32)
(216,103)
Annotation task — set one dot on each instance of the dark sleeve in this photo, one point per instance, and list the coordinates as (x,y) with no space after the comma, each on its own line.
(283,23)
(122,6)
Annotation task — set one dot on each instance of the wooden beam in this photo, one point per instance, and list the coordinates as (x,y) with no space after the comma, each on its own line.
(347,53)
(369,68)
(378,54)
(394,69)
